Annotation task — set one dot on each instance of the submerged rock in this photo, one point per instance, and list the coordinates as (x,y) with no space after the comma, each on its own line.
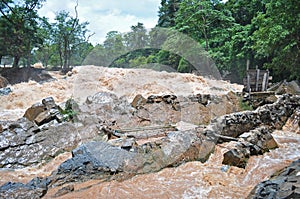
(284,184)
(5,91)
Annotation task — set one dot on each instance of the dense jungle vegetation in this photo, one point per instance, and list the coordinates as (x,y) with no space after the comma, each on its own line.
(262,33)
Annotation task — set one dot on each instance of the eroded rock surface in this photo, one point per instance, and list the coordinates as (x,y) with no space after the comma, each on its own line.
(251,129)
(254,142)
(23,143)
(36,188)
(285,184)
(99,160)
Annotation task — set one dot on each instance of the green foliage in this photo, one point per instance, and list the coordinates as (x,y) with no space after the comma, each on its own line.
(167,12)
(19,29)
(277,38)
(245,106)
(68,36)
(183,66)
(71,110)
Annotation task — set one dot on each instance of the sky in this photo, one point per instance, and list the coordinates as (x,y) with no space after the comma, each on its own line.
(106,15)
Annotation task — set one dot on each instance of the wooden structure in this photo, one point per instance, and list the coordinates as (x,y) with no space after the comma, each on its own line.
(256,80)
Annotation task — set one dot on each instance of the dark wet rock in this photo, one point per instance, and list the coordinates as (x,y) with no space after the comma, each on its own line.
(257,99)
(284,184)
(93,160)
(99,160)
(255,142)
(5,91)
(168,99)
(23,143)
(44,112)
(18,75)
(36,188)
(201,98)
(273,115)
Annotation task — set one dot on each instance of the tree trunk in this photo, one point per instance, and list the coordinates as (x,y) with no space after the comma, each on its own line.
(16,61)
(28,61)
(66,53)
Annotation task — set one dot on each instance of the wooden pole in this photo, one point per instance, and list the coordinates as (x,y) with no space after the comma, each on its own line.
(257,79)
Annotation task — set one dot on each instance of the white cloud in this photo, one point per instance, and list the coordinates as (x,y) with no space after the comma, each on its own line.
(106,15)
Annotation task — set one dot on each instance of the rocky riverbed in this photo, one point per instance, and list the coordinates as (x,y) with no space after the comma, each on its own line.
(173,143)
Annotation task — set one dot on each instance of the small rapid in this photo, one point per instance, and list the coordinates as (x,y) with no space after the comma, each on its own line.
(196,179)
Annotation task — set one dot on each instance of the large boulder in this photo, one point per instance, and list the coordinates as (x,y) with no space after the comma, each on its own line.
(255,142)
(99,160)
(157,110)
(44,112)
(283,184)
(23,143)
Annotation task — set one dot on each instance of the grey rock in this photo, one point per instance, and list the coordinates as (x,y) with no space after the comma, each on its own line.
(99,160)
(24,144)
(255,142)
(284,184)
(5,91)
(32,112)
(36,188)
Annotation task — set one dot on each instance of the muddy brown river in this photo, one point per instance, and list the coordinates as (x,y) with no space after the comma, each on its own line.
(189,180)
(195,179)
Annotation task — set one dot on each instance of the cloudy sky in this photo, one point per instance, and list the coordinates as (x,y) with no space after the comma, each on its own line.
(106,15)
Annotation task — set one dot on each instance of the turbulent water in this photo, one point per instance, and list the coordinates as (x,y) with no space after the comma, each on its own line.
(189,180)
(195,179)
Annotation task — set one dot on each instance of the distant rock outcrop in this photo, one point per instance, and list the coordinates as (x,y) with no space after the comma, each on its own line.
(18,75)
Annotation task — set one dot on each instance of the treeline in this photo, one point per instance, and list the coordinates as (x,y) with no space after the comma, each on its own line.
(264,34)
(26,38)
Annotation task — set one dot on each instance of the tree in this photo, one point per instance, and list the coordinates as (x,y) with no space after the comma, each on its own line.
(167,12)
(114,44)
(137,38)
(277,38)
(19,25)
(46,50)
(199,19)
(68,34)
